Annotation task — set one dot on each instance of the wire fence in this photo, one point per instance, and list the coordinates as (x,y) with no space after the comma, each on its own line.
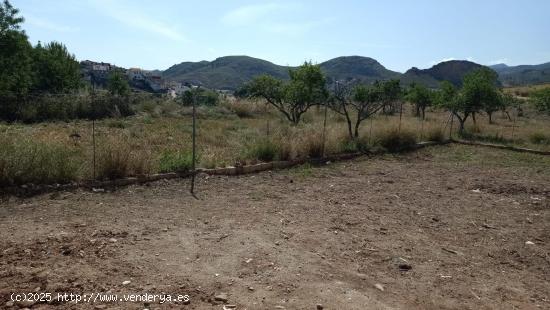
(96,141)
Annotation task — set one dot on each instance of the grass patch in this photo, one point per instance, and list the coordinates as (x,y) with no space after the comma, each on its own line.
(496,138)
(394,140)
(175,161)
(302,171)
(539,138)
(27,161)
(264,150)
(435,135)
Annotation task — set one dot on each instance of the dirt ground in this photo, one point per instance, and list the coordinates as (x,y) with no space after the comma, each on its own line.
(450,227)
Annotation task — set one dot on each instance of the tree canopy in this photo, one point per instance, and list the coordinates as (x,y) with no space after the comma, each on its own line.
(421,97)
(293,98)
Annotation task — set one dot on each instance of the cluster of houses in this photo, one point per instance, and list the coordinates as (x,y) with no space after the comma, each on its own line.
(98,73)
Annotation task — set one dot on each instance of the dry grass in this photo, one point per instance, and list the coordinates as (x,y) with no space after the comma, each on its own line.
(135,145)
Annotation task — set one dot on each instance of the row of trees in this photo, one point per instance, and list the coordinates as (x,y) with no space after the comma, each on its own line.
(357,102)
(26,69)
(44,82)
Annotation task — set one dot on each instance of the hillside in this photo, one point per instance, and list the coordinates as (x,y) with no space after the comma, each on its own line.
(452,71)
(357,68)
(231,72)
(228,72)
(523,75)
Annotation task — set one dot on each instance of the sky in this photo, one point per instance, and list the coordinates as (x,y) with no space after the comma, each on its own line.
(400,34)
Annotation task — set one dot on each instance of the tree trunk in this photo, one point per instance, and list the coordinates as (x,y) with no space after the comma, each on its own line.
(490,114)
(357,123)
(423,113)
(474,118)
(350,132)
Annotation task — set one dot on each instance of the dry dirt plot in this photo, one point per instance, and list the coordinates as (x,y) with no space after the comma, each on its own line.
(343,235)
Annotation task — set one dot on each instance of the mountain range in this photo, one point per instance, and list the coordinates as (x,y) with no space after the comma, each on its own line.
(231,72)
(523,75)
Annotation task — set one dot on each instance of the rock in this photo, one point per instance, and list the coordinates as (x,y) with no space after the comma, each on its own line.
(405,267)
(279,307)
(100,307)
(221,297)
(529,243)
(10,303)
(402,263)
(229,307)
(379,287)
(112,240)
(126,282)
(250,288)
(25,303)
(319,307)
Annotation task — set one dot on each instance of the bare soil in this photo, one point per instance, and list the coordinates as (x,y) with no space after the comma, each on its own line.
(441,228)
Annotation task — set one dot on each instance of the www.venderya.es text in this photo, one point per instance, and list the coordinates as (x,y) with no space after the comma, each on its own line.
(98,298)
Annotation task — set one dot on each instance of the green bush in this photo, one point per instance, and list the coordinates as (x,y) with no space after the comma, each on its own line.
(539,138)
(113,162)
(28,161)
(264,150)
(541,100)
(175,161)
(435,135)
(397,141)
(353,146)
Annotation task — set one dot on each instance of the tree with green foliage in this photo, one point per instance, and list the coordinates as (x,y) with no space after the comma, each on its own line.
(392,92)
(56,70)
(421,97)
(541,100)
(509,101)
(9,19)
(15,62)
(293,98)
(118,84)
(480,92)
(360,102)
(451,99)
(202,96)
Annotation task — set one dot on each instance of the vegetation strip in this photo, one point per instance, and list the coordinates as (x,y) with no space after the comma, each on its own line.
(32,189)
(502,147)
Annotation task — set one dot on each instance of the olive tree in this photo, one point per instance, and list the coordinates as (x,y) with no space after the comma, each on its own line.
(421,97)
(358,103)
(478,93)
(292,98)
(541,100)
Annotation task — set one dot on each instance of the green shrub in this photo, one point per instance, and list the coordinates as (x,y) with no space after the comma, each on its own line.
(355,145)
(435,135)
(541,100)
(175,161)
(264,150)
(397,141)
(539,138)
(28,161)
(242,109)
(113,162)
(496,138)
(116,123)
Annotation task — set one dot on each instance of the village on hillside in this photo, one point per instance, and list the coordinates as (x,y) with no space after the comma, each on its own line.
(97,73)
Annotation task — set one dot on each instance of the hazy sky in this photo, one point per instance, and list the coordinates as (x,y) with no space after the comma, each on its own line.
(398,33)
